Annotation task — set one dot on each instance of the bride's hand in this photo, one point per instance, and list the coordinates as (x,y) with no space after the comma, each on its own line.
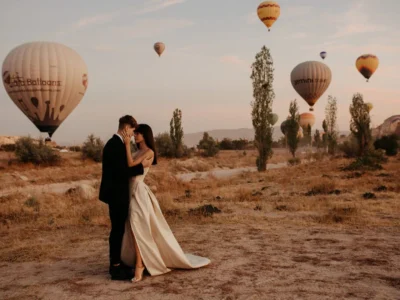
(127,137)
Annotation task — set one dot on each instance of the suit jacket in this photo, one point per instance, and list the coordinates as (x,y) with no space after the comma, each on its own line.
(114,187)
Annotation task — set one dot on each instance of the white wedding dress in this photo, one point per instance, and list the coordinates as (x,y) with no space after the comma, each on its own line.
(157,244)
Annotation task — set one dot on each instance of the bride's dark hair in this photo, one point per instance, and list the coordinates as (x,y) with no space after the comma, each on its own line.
(148,137)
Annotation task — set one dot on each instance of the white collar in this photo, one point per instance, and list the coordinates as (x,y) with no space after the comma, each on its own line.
(122,140)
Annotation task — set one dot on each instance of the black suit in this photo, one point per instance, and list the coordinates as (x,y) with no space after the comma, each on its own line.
(114,190)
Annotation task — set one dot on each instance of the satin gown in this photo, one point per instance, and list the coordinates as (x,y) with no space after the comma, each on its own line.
(157,244)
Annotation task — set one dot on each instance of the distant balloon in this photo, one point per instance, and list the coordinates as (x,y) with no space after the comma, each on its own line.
(323,54)
(300,133)
(369,106)
(367,64)
(269,12)
(159,48)
(284,127)
(46,81)
(311,79)
(307,119)
(274,119)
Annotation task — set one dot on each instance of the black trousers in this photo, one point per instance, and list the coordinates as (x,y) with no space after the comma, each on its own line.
(118,214)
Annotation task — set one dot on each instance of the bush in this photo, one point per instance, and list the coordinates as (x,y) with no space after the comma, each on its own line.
(75,148)
(209,145)
(388,143)
(226,144)
(27,151)
(370,161)
(93,148)
(294,161)
(8,147)
(350,148)
(164,145)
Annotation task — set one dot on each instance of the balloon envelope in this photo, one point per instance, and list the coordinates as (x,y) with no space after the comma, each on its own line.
(369,106)
(268,12)
(367,64)
(159,48)
(307,119)
(323,54)
(274,119)
(311,79)
(46,81)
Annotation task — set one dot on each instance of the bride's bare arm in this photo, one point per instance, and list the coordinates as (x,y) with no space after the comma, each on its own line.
(143,158)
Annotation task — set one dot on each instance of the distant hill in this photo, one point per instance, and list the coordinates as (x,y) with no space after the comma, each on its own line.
(192,139)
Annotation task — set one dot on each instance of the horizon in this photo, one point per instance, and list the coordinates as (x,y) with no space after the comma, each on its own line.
(205,69)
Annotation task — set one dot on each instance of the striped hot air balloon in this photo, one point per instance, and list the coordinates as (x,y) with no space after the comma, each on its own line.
(46,81)
(159,47)
(269,12)
(307,119)
(367,64)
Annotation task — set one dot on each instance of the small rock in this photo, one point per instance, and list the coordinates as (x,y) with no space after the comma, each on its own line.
(218,198)
(24,178)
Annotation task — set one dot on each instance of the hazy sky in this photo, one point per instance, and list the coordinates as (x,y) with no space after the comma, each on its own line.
(205,69)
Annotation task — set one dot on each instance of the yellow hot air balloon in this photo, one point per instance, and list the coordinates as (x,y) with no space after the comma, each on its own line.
(159,47)
(311,79)
(269,12)
(369,106)
(367,64)
(307,119)
(46,81)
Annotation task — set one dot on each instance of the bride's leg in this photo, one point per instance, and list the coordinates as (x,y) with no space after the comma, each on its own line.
(139,268)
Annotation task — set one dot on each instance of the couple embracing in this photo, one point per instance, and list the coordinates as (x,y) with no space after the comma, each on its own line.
(140,237)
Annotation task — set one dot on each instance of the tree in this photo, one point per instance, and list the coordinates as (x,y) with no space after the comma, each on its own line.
(209,145)
(324,135)
(263,93)
(226,144)
(360,124)
(331,126)
(307,135)
(93,148)
(293,128)
(164,145)
(176,133)
(317,139)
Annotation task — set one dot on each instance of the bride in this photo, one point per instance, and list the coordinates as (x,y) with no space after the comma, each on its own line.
(148,241)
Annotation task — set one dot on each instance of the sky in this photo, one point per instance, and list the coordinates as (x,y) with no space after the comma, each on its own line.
(205,69)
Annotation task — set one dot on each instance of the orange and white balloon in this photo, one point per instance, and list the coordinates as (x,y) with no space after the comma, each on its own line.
(46,81)
(307,119)
(269,12)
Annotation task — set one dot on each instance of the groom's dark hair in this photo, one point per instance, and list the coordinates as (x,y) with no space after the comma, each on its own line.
(127,120)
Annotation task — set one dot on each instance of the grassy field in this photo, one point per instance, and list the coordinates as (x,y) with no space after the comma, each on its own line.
(310,231)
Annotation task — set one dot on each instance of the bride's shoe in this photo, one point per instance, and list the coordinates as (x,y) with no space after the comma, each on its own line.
(138,277)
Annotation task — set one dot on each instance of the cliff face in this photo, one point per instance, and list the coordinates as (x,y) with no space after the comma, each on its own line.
(388,127)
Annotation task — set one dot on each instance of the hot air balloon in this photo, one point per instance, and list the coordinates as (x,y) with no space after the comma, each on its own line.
(300,133)
(284,127)
(311,79)
(323,54)
(367,64)
(269,12)
(274,119)
(369,106)
(307,119)
(46,81)
(159,48)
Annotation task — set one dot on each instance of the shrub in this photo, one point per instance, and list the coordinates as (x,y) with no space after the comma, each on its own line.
(93,148)
(370,161)
(350,148)
(164,145)
(27,151)
(388,143)
(8,147)
(294,161)
(75,148)
(209,145)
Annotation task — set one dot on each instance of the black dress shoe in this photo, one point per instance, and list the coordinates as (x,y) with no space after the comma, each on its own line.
(120,273)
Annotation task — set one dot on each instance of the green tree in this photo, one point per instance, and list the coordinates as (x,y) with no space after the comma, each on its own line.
(263,93)
(93,148)
(209,145)
(317,139)
(164,145)
(324,135)
(292,128)
(176,133)
(331,125)
(360,124)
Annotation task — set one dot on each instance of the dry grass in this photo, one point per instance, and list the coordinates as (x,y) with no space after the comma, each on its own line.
(310,197)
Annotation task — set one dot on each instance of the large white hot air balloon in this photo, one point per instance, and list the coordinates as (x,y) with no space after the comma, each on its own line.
(311,79)
(46,81)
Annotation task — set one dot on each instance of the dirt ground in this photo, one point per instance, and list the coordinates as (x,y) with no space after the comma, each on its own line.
(273,239)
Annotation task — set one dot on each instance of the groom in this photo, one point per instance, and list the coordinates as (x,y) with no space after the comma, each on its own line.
(114,190)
